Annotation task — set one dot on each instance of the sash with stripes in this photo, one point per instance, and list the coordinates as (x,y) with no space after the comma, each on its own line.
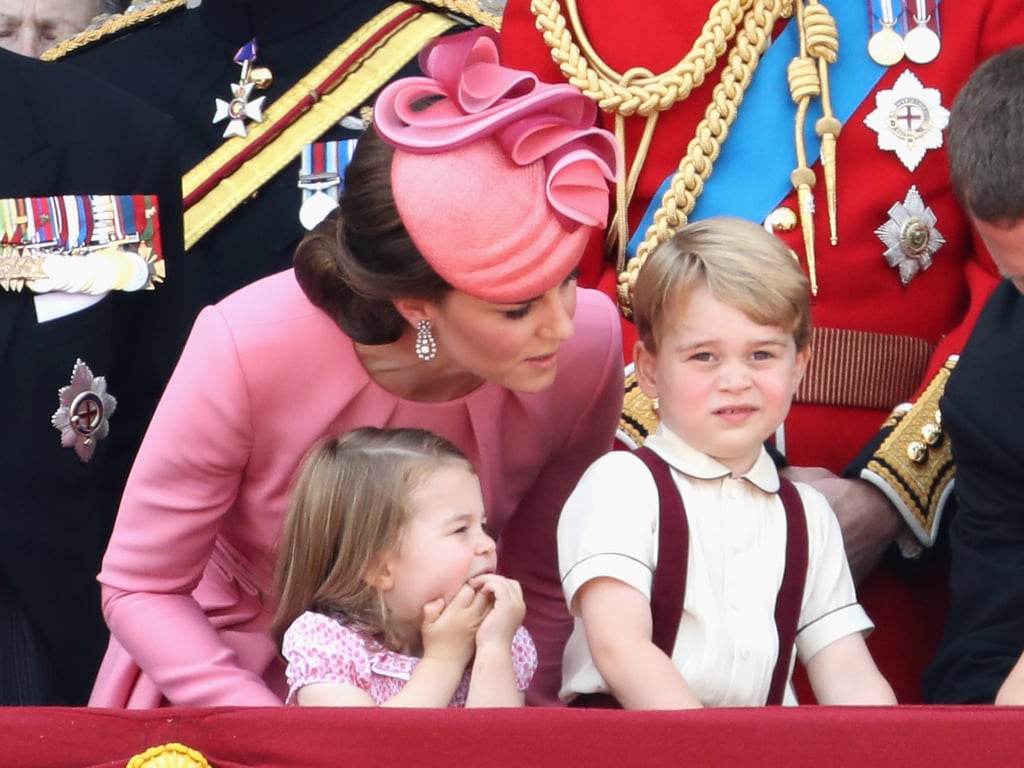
(345,79)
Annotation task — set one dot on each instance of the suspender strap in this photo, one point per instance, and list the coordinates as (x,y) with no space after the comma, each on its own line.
(791,591)
(668,589)
(345,79)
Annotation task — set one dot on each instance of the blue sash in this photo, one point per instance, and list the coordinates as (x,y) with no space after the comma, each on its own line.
(751,174)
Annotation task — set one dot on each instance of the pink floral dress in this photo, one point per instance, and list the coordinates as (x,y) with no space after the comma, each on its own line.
(321,649)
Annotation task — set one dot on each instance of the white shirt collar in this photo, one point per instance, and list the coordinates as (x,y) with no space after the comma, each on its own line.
(688,460)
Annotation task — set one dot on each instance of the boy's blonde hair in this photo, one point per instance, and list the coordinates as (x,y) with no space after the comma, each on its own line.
(740,263)
(349,506)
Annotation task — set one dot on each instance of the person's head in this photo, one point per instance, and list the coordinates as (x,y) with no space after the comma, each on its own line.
(724,324)
(985,140)
(29,27)
(468,206)
(381,521)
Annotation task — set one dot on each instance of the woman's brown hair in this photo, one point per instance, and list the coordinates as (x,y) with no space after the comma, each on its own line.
(361,257)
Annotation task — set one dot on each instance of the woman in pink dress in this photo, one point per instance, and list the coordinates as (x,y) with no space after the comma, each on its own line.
(442,296)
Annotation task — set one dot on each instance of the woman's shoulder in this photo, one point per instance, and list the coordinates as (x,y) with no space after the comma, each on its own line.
(272,316)
(597,319)
(269,301)
(597,343)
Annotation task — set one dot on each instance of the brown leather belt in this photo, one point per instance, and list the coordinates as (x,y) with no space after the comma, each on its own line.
(863,370)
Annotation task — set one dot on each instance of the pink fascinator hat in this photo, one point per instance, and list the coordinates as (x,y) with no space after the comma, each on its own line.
(498,177)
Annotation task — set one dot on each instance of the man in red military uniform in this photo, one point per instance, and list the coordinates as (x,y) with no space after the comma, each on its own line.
(899,282)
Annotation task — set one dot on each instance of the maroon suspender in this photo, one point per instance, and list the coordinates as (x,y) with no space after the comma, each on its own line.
(668,590)
(791,591)
(668,587)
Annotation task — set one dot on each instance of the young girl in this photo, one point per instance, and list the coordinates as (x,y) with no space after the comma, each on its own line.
(387,584)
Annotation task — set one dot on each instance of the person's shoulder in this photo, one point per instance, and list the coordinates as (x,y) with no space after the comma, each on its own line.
(274,299)
(323,632)
(615,469)
(598,327)
(138,15)
(143,20)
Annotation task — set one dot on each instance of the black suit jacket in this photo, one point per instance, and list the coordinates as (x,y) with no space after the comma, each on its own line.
(983,414)
(184,63)
(73,134)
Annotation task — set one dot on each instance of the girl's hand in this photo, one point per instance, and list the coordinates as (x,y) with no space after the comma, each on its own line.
(506,615)
(448,631)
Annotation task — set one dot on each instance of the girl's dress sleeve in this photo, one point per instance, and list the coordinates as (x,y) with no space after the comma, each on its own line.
(524,658)
(319,649)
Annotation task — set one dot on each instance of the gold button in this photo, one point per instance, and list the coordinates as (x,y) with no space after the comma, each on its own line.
(931,433)
(917,452)
(782,219)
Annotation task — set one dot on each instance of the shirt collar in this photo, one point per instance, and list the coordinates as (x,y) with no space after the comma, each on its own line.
(693,463)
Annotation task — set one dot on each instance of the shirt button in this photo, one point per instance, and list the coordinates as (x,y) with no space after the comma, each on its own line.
(745,653)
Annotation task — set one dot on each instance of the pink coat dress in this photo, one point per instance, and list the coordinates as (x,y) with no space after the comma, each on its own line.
(187,577)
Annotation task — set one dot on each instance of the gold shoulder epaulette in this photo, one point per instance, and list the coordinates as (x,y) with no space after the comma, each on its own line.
(639,416)
(105,26)
(484,12)
(914,466)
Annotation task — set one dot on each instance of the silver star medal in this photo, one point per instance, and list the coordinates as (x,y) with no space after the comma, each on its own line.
(910,236)
(909,119)
(85,407)
(240,108)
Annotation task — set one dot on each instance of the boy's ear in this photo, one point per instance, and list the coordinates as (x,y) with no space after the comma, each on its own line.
(645,363)
(803,357)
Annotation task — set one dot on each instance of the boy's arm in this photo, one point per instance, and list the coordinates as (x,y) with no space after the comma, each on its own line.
(843,672)
(617,619)
(1011,692)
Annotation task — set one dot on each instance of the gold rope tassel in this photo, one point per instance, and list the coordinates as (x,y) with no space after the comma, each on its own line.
(823,44)
(802,74)
(696,165)
(638,91)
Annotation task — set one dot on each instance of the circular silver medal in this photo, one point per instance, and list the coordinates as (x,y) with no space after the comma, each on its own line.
(886,47)
(922,44)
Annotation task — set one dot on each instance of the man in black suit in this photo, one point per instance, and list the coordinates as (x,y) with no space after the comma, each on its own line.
(979,658)
(73,136)
(195,64)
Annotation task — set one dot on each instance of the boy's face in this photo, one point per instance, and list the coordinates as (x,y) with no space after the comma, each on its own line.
(1006,244)
(723,382)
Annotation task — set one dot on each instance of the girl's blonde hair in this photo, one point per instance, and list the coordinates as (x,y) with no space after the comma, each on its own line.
(740,263)
(349,505)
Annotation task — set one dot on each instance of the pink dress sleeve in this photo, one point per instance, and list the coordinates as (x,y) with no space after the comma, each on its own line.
(524,658)
(320,649)
(181,488)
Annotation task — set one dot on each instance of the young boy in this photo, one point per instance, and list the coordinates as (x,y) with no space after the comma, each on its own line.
(723,317)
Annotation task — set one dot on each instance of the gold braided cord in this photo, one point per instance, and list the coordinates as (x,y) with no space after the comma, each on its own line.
(822,37)
(696,165)
(637,91)
(113,25)
(638,95)
(802,74)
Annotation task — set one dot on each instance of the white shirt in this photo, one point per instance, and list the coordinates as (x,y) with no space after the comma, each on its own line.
(727,642)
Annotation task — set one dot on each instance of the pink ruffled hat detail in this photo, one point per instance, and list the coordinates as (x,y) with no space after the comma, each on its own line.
(500,180)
